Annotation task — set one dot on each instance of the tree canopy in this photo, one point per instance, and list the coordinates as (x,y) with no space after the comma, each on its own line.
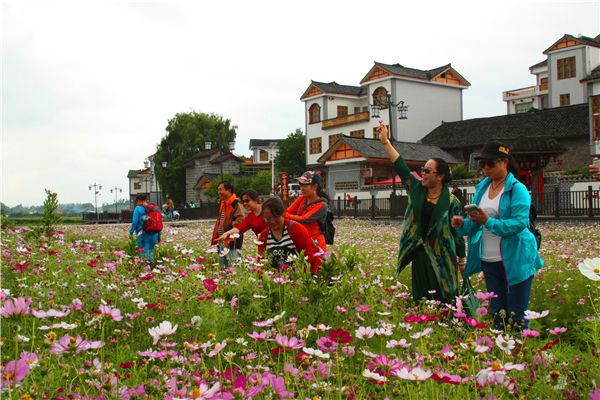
(291,157)
(187,134)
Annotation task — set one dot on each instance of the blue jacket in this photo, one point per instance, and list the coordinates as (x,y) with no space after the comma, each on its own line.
(137,223)
(517,244)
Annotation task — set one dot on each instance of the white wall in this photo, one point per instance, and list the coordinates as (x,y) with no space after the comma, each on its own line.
(572,86)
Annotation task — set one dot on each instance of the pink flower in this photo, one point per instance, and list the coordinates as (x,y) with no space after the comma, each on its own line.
(259,336)
(51,313)
(327,344)
(68,344)
(21,267)
(558,330)
(146,277)
(530,333)
(364,332)
(112,313)
(290,343)
(210,285)
(414,374)
(14,373)
(485,296)
(363,308)
(17,306)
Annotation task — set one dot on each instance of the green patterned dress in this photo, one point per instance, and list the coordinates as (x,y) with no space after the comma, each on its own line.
(433,253)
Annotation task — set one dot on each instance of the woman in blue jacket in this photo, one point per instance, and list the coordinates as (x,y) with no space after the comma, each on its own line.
(500,244)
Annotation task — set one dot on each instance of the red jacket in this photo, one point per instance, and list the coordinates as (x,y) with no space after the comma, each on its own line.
(309,215)
(299,235)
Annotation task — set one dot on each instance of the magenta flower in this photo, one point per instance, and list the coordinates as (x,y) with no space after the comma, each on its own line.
(112,313)
(327,344)
(210,285)
(17,306)
(290,343)
(530,333)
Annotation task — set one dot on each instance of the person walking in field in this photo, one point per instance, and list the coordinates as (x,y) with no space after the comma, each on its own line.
(146,238)
(428,242)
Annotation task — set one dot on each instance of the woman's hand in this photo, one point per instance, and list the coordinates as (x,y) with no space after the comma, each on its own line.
(478,216)
(457,221)
(382,130)
(224,236)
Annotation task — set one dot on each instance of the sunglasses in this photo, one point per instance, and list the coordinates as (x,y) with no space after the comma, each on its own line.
(488,163)
(426,170)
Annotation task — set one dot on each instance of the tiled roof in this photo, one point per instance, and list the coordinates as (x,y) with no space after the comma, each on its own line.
(558,123)
(336,88)
(263,142)
(135,172)
(398,69)
(372,148)
(594,75)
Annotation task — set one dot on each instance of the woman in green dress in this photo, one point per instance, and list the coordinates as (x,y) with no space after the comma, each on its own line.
(428,240)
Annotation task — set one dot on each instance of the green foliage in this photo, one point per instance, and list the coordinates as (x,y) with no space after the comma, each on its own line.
(577,171)
(260,182)
(187,134)
(50,218)
(291,157)
(212,190)
(460,171)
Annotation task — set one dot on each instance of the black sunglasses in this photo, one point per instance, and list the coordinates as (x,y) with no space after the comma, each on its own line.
(488,163)
(425,170)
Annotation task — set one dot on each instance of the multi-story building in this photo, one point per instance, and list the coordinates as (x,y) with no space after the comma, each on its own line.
(569,75)
(560,78)
(264,152)
(332,110)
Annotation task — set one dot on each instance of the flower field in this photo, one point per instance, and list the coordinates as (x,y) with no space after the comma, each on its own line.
(83,317)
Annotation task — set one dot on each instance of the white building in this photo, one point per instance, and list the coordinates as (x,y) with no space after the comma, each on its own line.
(560,78)
(264,150)
(332,110)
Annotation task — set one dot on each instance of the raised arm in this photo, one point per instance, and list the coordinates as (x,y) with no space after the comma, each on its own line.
(385,141)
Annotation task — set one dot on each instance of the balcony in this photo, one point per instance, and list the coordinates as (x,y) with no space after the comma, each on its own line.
(345,120)
(531,91)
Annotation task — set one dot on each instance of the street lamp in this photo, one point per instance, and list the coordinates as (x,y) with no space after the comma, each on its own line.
(209,145)
(97,188)
(116,190)
(375,113)
(273,145)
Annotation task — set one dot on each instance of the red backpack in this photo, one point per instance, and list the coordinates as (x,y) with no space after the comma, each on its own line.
(153,221)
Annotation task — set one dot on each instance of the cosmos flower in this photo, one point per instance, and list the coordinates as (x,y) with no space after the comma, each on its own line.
(590,268)
(16,306)
(165,328)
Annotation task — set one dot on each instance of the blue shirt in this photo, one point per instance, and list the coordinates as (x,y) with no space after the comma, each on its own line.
(137,223)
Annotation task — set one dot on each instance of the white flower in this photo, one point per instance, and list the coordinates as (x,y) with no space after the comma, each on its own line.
(392,344)
(535,315)
(590,268)
(164,329)
(217,349)
(506,345)
(234,235)
(374,375)
(364,332)
(315,352)
(426,332)
(415,374)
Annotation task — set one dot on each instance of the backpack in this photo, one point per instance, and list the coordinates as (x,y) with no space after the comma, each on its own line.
(531,226)
(153,221)
(326,225)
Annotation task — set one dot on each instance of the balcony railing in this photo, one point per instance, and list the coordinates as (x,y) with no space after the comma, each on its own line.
(346,119)
(530,91)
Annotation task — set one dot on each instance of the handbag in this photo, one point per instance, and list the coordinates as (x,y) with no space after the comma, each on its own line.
(470,301)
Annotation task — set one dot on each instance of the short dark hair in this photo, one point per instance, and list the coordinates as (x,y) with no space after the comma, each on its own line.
(253,194)
(141,197)
(275,205)
(226,185)
(443,169)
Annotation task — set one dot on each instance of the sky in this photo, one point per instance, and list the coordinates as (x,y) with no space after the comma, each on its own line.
(88,87)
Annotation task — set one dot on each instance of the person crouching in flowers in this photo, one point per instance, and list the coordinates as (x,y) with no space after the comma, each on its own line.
(428,241)
(253,219)
(500,244)
(284,237)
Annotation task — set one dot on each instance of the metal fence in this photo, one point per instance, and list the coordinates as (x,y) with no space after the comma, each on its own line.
(555,203)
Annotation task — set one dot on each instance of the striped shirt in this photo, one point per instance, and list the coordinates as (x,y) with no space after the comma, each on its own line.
(281,249)
(220,226)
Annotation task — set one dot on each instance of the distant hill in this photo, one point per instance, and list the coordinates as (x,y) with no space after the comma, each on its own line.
(70,208)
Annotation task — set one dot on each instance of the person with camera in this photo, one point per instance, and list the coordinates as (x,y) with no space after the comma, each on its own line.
(499,241)
(428,242)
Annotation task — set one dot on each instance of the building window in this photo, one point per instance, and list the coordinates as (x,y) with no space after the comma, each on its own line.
(314,114)
(544,84)
(566,68)
(137,186)
(596,118)
(376,133)
(263,155)
(356,110)
(523,107)
(380,97)
(342,110)
(565,99)
(315,146)
(358,134)
(334,138)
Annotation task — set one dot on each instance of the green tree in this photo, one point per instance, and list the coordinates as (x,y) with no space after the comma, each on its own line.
(50,218)
(291,157)
(261,182)
(460,171)
(186,135)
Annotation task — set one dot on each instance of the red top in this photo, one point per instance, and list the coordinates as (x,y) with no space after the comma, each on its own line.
(252,221)
(299,235)
(309,214)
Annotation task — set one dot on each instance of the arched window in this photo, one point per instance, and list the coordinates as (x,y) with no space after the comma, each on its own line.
(380,97)
(314,114)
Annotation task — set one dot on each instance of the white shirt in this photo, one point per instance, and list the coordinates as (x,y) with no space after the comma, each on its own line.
(490,249)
